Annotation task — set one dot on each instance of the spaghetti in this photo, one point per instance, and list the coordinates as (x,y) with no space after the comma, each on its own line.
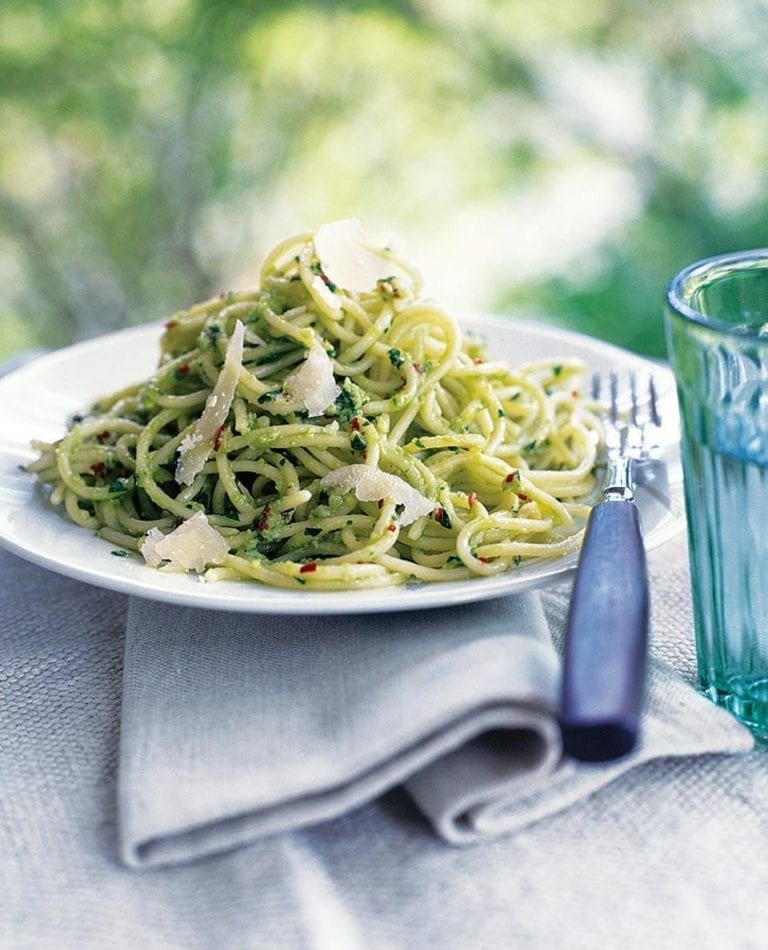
(332,429)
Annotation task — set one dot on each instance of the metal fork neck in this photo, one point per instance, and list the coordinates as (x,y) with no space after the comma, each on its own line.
(618,485)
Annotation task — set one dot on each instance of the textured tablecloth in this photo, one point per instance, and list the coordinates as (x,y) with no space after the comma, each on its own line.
(673,854)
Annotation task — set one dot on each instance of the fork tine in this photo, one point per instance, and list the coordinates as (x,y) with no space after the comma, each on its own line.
(613,381)
(633,409)
(653,402)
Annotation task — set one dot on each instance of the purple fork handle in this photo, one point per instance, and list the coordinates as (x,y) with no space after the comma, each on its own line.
(606,643)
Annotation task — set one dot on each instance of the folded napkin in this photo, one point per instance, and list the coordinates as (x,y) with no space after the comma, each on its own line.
(236,726)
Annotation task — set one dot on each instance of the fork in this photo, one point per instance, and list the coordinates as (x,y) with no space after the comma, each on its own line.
(606,643)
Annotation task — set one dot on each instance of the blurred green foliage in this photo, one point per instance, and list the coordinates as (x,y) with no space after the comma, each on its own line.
(555,160)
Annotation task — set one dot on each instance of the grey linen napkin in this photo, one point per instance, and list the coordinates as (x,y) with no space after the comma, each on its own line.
(237,726)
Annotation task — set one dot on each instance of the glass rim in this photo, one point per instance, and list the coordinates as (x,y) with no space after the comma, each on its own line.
(733,259)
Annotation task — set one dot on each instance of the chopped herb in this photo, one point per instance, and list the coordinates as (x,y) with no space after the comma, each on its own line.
(317,269)
(419,443)
(396,358)
(349,402)
(120,485)
(501,413)
(269,396)
(357,443)
(121,553)
(530,447)
(313,532)
(556,370)
(517,559)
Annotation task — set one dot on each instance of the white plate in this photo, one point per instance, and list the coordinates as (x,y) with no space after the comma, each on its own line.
(36,400)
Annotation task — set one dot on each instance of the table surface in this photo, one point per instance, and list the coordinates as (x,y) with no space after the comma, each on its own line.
(672,854)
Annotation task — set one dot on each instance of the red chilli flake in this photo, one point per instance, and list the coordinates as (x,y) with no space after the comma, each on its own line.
(380,503)
(522,496)
(472,498)
(217,438)
(183,369)
(483,560)
(355,424)
(391,527)
(511,477)
(478,360)
(441,517)
(417,367)
(308,568)
(171,324)
(104,436)
(262,522)
(98,468)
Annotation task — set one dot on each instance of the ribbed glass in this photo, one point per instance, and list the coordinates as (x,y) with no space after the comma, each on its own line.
(717,336)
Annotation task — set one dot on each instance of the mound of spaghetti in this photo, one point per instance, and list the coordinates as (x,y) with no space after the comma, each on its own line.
(332,430)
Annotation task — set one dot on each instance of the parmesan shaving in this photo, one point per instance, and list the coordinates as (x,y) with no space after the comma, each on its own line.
(313,384)
(192,546)
(349,260)
(196,446)
(371,484)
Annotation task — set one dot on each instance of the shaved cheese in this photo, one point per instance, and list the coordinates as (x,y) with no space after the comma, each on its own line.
(196,447)
(371,484)
(349,260)
(192,546)
(313,383)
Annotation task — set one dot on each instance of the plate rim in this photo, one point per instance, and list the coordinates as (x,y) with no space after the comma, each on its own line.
(238,596)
